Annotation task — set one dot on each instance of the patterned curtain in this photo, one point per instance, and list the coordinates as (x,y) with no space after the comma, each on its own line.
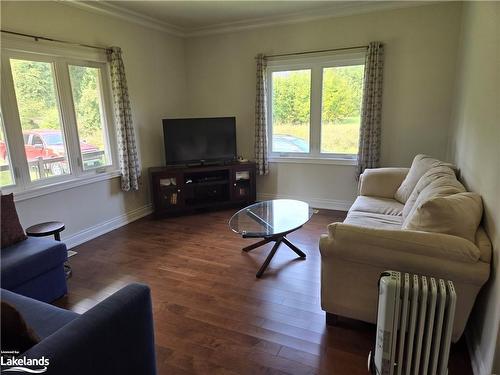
(261,118)
(127,151)
(371,109)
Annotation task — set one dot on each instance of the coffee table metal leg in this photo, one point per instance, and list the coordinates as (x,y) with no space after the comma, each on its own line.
(257,244)
(67,270)
(269,257)
(299,252)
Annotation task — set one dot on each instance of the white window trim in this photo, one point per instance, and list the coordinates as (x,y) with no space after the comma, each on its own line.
(315,64)
(61,56)
(337,160)
(38,191)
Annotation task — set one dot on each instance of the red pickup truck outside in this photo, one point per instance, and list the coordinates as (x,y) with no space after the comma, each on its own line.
(49,144)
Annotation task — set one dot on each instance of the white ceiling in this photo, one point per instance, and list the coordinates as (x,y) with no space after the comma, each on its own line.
(195,17)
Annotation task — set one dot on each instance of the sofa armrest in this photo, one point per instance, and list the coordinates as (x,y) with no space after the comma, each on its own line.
(114,337)
(381,182)
(410,251)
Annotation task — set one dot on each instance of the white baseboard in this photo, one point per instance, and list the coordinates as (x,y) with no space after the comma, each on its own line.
(106,226)
(477,364)
(128,217)
(328,204)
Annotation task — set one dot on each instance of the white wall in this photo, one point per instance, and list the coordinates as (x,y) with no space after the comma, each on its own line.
(421,46)
(154,62)
(219,72)
(215,75)
(475,148)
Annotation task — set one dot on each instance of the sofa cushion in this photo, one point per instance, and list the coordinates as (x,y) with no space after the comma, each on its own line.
(384,206)
(421,164)
(30,258)
(456,214)
(373,220)
(441,173)
(43,318)
(440,187)
(483,243)
(11,229)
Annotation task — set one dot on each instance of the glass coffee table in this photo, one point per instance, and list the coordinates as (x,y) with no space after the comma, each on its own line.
(272,221)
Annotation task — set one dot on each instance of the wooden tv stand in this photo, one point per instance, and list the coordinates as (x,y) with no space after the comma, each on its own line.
(178,190)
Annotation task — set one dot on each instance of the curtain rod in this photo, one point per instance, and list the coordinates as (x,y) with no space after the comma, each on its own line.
(316,51)
(37,38)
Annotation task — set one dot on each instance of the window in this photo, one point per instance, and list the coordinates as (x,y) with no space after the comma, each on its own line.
(314,106)
(291,111)
(38,110)
(85,85)
(55,119)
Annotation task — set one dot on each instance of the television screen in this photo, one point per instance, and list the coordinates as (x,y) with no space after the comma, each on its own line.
(197,140)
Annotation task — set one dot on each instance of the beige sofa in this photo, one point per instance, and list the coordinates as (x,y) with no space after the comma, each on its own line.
(419,220)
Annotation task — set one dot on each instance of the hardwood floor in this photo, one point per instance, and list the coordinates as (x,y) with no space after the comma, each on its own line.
(212,316)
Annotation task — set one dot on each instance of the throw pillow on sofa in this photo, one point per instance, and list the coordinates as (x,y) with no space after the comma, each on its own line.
(442,186)
(440,176)
(456,214)
(11,229)
(421,164)
(16,334)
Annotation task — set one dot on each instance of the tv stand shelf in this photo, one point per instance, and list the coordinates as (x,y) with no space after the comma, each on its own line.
(178,190)
(208,183)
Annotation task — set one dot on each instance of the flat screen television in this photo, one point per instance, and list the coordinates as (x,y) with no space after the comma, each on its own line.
(199,140)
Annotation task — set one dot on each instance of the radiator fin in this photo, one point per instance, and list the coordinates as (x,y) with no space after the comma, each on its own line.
(414,325)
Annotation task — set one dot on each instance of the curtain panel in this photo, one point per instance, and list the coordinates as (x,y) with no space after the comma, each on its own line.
(371,109)
(261,157)
(127,151)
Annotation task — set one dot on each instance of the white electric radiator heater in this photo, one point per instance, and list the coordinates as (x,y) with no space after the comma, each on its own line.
(414,325)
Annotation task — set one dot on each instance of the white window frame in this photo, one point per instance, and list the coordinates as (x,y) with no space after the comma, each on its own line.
(316,64)
(60,56)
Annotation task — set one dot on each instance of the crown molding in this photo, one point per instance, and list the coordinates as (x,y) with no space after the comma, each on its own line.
(351,8)
(112,10)
(346,9)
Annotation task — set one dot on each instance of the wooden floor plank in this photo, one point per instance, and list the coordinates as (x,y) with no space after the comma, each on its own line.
(212,316)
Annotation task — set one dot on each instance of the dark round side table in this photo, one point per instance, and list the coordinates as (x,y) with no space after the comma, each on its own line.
(49,228)
(46,229)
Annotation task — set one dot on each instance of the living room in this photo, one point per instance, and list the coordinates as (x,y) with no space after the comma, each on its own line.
(186,60)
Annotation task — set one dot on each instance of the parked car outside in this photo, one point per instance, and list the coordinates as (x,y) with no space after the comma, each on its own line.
(288,143)
(47,144)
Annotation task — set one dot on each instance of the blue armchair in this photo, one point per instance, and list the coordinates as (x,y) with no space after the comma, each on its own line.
(114,337)
(35,268)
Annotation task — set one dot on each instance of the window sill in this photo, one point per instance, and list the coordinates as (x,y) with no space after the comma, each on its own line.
(299,160)
(33,192)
